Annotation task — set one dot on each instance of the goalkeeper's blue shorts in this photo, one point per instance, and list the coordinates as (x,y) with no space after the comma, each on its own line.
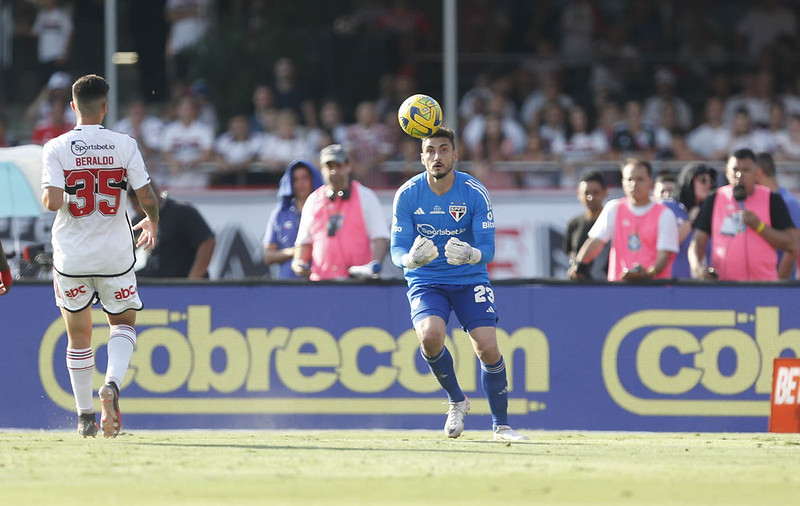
(473,304)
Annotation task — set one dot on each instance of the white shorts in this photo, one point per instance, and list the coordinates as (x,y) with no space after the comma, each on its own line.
(117,294)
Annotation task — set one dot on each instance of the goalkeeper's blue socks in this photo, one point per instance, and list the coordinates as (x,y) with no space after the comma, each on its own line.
(493,379)
(442,367)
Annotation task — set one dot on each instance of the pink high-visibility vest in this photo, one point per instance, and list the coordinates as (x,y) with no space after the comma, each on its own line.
(746,255)
(332,255)
(635,240)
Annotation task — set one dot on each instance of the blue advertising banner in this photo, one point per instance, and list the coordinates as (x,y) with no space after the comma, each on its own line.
(587,357)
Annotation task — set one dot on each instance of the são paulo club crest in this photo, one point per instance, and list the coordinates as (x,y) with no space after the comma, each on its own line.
(458,210)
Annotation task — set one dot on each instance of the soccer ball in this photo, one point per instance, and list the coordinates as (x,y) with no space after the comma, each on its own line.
(420,116)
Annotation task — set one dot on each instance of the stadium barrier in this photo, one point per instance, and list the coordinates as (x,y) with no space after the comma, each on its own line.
(650,357)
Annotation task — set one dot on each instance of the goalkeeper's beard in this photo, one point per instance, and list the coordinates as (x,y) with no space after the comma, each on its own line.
(439,175)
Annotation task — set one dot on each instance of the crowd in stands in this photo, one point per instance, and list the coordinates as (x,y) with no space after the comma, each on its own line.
(588,81)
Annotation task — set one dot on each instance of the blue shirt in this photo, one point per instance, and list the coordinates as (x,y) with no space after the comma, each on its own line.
(794,211)
(464,212)
(680,267)
(282,230)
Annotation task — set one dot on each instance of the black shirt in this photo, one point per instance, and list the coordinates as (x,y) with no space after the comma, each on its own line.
(577,233)
(778,213)
(181,231)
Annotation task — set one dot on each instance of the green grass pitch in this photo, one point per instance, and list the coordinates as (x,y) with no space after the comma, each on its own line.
(398,468)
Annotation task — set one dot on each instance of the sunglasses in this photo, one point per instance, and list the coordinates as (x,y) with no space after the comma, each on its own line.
(704,178)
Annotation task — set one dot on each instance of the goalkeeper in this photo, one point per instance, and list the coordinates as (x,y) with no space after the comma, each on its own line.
(443,236)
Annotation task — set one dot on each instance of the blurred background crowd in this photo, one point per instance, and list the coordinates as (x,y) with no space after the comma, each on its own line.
(227,93)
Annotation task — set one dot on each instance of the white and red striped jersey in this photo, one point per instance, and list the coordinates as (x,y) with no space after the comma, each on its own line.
(92,235)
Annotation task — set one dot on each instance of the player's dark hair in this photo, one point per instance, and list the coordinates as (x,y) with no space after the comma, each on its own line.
(444,132)
(744,154)
(638,162)
(89,92)
(594,176)
(665,177)
(766,163)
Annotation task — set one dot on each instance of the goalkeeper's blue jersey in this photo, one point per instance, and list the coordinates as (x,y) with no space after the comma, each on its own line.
(464,212)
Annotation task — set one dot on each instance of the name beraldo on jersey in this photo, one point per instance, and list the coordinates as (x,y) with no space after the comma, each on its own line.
(85,161)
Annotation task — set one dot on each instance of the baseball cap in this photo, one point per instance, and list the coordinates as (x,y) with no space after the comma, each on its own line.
(332,153)
(59,79)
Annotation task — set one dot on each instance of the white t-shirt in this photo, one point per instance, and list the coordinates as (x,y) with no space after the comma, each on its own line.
(53,27)
(187,32)
(237,152)
(603,228)
(187,143)
(91,232)
(370,208)
(150,130)
(707,141)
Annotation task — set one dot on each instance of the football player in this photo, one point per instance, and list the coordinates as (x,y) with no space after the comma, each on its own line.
(443,237)
(86,172)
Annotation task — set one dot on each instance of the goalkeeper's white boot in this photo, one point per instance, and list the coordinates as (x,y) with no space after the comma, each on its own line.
(506,433)
(454,425)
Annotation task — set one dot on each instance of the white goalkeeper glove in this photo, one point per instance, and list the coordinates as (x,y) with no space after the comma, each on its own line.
(423,251)
(371,270)
(459,252)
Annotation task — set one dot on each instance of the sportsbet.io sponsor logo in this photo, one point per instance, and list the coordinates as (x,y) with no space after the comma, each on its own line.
(263,368)
(79,147)
(430,231)
(677,361)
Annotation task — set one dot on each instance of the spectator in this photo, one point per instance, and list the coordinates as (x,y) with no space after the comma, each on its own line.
(190,21)
(264,110)
(553,125)
(580,143)
(235,151)
(291,94)
(187,144)
(207,113)
(53,26)
(710,140)
(766,175)
(550,91)
(145,128)
(476,127)
(298,182)
(635,135)
(579,22)
(744,135)
(763,23)
(185,243)
(331,127)
(591,194)
(665,190)
(342,228)
(665,94)
(788,142)
(693,184)
(480,91)
(368,145)
(57,88)
(746,224)
(664,187)
(643,233)
(53,126)
(285,144)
